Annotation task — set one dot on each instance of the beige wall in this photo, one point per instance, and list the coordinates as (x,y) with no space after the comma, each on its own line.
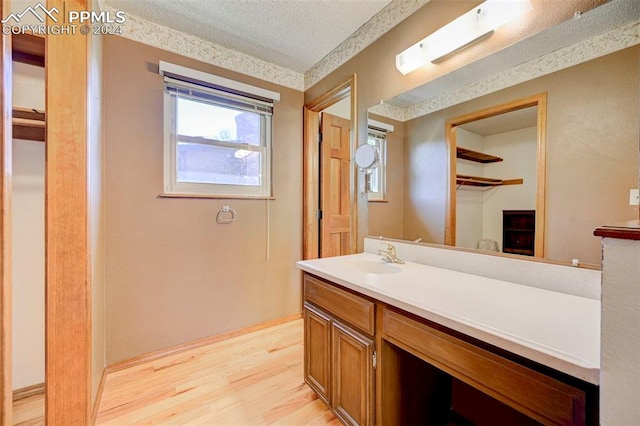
(174,274)
(592,154)
(384,215)
(28,263)
(28,237)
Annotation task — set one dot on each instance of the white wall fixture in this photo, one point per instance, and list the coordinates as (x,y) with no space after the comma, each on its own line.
(366,157)
(477,23)
(634,197)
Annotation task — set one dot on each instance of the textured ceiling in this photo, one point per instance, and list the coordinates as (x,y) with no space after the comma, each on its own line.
(294,34)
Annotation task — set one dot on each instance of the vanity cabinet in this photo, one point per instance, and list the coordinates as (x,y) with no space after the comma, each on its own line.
(339,350)
(352,371)
(507,389)
(425,373)
(317,351)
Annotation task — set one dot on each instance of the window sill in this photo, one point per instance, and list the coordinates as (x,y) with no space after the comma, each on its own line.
(218,197)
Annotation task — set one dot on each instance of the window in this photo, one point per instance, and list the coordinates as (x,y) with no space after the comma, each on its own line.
(377,177)
(217,142)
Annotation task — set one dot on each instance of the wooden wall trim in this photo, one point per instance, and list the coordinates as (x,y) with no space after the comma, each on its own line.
(6,388)
(333,96)
(539,100)
(541,177)
(310,185)
(354,167)
(96,403)
(311,161)
(28,391)
(194,344)
(67,282)
(625,231)
(450,197)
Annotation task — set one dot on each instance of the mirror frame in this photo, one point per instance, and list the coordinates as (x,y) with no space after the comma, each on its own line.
(540,101)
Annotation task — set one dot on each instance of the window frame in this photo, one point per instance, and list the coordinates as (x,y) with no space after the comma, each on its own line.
(381,169)
(175,87)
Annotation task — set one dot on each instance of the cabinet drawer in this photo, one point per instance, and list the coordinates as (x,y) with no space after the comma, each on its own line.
(355,310)
(545,399)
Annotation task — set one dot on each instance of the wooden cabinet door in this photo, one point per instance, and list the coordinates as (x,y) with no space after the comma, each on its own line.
(352,385)
(317,351)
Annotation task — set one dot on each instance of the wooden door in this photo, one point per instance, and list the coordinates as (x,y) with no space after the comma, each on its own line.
(352,386)
(335,166)
(317,351)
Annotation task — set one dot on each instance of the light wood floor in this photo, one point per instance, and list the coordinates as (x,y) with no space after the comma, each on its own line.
(29,411)
(255,379)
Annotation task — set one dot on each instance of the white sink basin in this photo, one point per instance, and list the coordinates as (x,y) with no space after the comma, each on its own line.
(372,266)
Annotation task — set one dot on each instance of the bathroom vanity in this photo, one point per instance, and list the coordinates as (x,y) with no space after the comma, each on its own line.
(416,344)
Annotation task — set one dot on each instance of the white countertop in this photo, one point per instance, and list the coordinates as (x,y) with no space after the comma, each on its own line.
(555,329)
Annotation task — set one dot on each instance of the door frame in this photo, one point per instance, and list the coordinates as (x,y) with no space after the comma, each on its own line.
(311,166)
(6,140)
(67,273)
(540,101)
(67,277)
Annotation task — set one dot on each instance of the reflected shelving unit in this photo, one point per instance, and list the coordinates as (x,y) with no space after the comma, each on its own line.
(481,181)
(28,123)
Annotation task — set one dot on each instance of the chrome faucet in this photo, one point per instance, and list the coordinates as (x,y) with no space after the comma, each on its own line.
(389,255)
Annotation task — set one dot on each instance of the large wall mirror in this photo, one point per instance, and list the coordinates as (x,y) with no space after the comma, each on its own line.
(590,165)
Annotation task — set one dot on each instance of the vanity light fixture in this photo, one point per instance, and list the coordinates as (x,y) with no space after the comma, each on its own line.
(479,22)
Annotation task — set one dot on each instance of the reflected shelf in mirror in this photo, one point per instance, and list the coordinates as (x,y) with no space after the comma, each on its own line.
(462,180)
(478,157)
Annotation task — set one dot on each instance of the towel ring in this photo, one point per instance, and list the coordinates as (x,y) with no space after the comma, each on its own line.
(224,219)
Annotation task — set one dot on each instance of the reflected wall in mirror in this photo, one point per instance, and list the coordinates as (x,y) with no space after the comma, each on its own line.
(593,122)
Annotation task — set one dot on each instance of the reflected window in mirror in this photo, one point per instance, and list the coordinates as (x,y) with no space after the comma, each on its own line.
(376,176)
